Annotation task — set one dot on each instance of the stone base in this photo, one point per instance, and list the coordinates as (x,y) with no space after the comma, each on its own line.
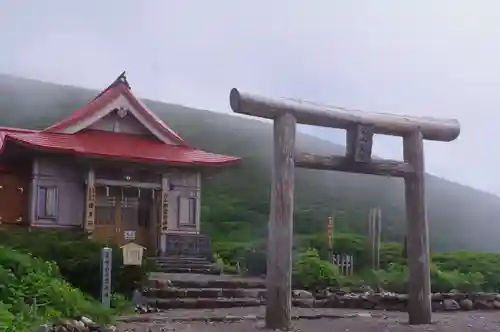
(187,253)
(188,245)
(177,264)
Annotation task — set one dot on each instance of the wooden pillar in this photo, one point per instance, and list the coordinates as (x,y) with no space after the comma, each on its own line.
(376,237)
(279,245)
(375,229)
(419,305)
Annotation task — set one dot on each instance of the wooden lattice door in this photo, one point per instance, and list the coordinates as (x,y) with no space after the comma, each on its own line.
(107,214)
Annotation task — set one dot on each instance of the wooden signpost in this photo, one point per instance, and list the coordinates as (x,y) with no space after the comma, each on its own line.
(360,127)
(330,236)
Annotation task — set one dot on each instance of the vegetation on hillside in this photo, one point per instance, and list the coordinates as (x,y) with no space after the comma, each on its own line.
(33,292)
(461,271)
(61,269)
(49,275)
(77,258)
(236,202)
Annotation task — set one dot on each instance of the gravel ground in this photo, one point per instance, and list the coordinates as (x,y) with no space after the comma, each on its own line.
(380,322)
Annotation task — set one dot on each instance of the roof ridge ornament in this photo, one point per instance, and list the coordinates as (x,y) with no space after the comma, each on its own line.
(122,79)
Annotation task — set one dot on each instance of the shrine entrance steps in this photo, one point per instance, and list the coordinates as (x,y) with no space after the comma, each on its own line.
(202,291)
(185,264)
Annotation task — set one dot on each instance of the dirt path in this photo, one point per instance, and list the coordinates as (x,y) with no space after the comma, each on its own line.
(353,321)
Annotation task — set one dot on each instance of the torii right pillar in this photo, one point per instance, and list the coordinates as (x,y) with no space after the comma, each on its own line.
(419,300)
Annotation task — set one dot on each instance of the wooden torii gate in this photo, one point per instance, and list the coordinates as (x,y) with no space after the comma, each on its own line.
(360,127)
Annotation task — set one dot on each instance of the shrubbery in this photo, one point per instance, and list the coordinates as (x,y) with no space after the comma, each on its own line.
(249,256)
(77,257)
(32,291)
(395,279)
(462,271)
(470,263)
(311,272)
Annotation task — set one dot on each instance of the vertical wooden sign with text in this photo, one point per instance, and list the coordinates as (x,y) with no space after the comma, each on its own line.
(330,235)
(90,215)
(164,207)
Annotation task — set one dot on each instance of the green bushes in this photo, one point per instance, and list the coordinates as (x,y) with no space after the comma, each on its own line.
(311,272)
(463,271)
(226,268)
(395,279)
(32,291)
(444,281)
(77,257)
(250,256)
(350,244)
(469,263)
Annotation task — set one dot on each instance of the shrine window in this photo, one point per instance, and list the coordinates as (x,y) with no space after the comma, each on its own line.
(187,208)
(47,202)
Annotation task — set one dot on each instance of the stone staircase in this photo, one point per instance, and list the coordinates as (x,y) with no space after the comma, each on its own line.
(191,291)
(185,264)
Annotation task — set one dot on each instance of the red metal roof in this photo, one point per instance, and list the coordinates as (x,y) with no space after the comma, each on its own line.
(96,143)
(108,95)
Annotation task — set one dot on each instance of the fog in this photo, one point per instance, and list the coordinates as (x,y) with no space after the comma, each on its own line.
(437,58)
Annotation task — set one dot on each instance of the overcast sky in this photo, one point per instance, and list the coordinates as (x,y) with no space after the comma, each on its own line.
(420,57)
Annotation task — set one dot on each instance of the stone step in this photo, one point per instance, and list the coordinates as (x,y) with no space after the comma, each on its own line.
(198,270)
(172,292)
(217,283)
(185,264)
(204,303)
(217,303)
(179,259)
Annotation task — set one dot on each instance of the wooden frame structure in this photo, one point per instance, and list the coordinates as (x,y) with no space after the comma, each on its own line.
(360,127)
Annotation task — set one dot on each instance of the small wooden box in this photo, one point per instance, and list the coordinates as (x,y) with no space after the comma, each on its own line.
(132,254)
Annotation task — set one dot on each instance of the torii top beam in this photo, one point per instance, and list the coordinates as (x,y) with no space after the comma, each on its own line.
(337,117)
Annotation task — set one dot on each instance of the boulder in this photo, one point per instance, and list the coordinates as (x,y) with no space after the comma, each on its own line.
(334,301)
(466,304)
(450,305)
(302,294)
(482,304)
(322,294)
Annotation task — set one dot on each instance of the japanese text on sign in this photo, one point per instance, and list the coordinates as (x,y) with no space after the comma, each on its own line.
(106,263)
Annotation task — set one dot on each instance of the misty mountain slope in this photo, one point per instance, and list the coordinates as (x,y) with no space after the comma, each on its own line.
(237,201)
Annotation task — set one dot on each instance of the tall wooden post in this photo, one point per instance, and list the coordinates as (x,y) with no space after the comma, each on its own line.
(419,305)
(378,232)
(375,229)
(330,237)
(280,237)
